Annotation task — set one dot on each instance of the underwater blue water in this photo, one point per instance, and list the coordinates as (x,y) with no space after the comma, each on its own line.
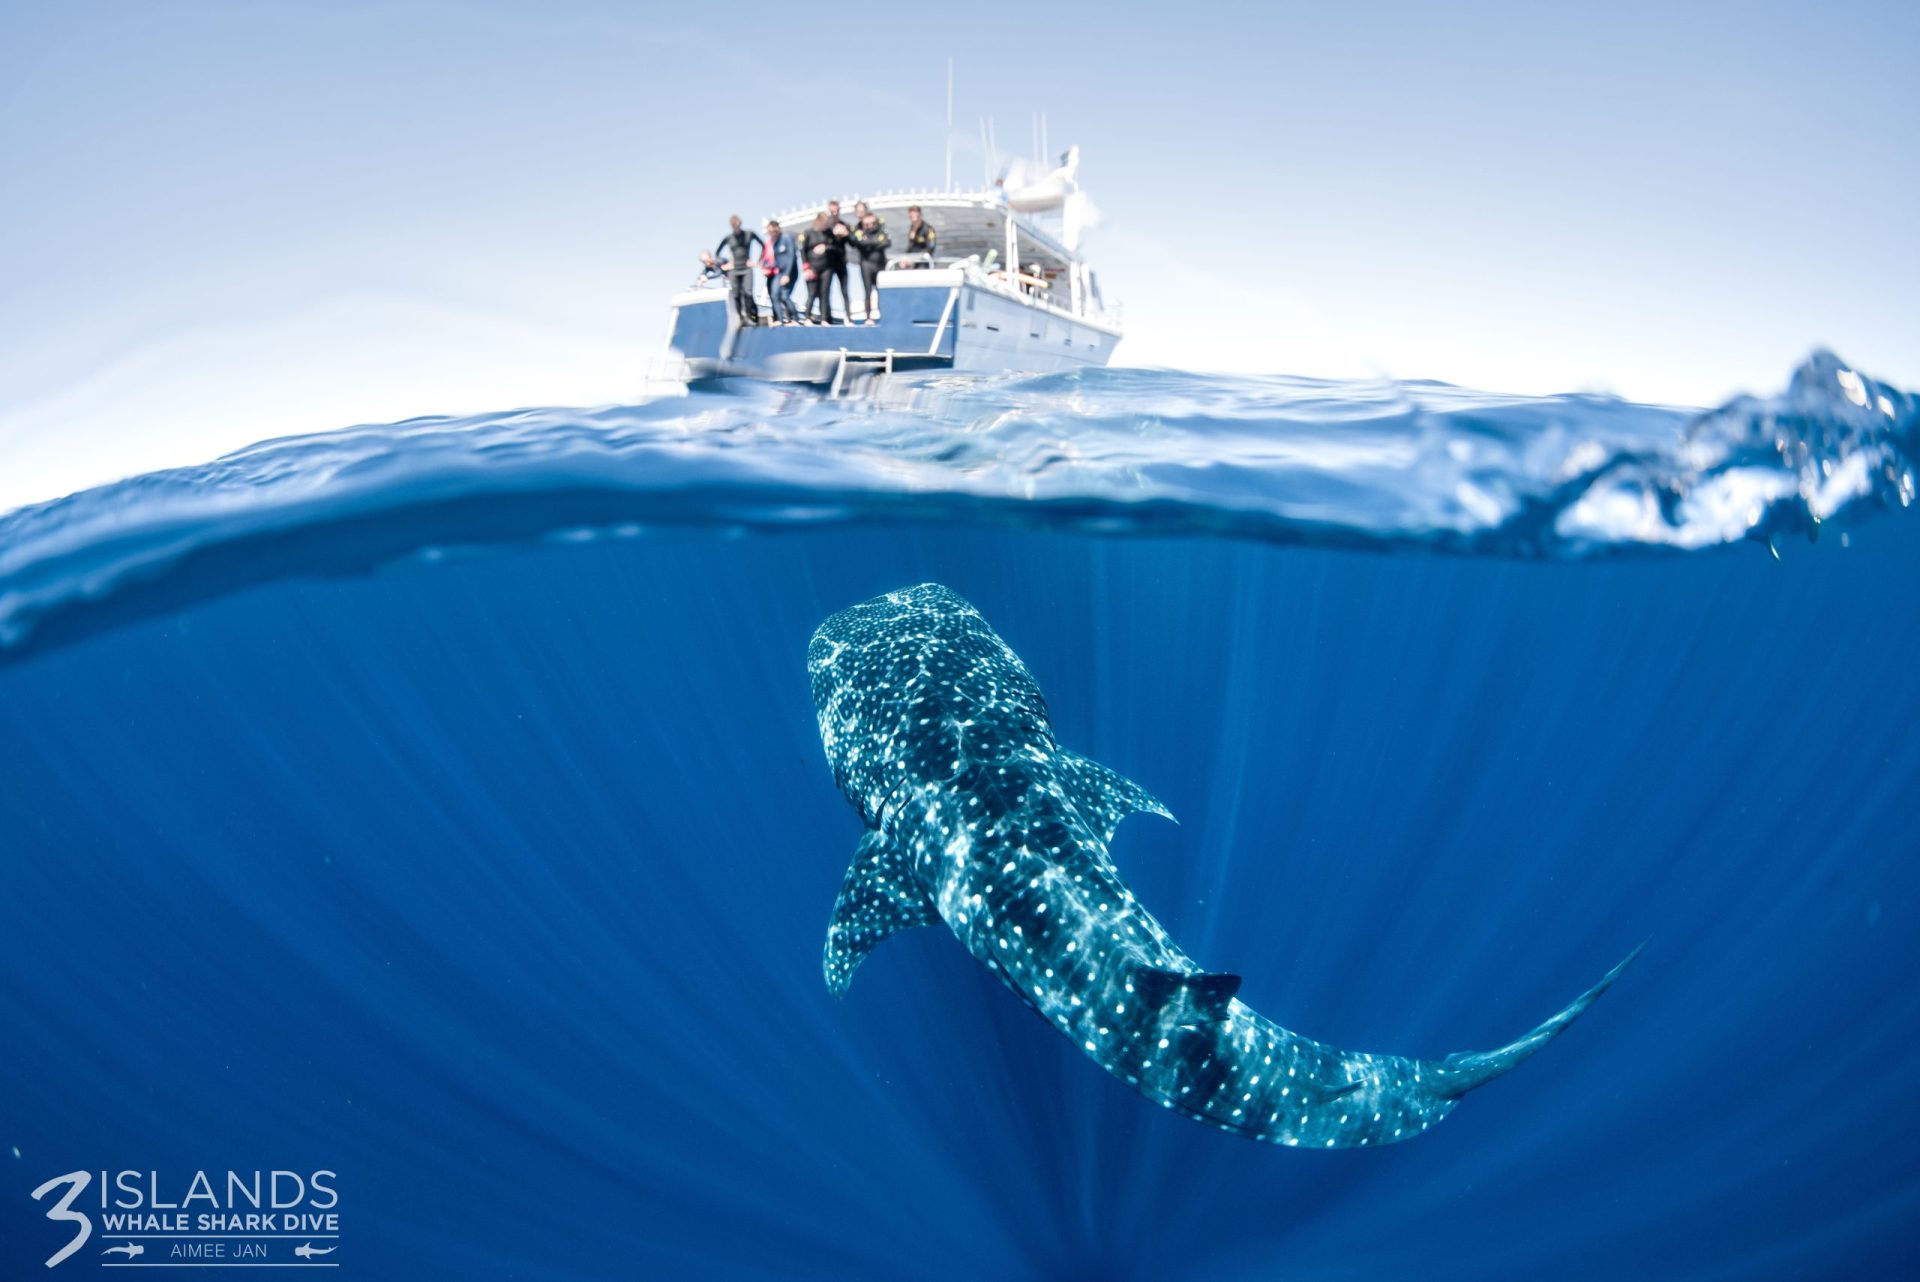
(442,805)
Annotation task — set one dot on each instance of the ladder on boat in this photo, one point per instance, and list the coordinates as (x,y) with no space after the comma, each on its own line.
(862,366)
(856,370)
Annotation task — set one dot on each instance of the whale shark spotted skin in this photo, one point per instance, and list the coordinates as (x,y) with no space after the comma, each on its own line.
(978,819)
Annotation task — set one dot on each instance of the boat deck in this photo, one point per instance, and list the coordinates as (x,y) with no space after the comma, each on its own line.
(1001,292)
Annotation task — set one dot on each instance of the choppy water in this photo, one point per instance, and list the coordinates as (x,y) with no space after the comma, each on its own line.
(441,804)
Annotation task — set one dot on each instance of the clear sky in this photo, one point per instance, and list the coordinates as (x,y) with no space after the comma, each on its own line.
(223,222)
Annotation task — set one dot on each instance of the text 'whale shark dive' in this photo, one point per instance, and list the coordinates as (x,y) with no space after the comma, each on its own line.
(977,818)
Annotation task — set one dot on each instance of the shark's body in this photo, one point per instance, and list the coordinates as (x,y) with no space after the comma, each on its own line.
(978,819)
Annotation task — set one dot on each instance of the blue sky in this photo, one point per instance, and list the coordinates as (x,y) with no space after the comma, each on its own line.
(226,222)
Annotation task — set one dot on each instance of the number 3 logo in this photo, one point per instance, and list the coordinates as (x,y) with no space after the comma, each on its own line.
(63,1210)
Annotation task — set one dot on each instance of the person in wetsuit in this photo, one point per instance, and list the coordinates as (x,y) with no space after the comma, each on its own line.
(837,253)
(870,246)
(816,259)
(920,237)
(737,249)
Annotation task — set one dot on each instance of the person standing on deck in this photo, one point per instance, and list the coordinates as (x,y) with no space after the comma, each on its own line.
(837,251)
(778,262)
(816,257)
(737,249)
(920,238)
(870,244)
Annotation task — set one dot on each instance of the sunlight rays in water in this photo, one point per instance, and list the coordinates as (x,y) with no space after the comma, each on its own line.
(500,885)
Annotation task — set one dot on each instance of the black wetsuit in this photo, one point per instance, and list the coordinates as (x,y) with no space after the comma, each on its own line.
(817,251)
(837,262)
(740,248)
(920,241)
(870,246)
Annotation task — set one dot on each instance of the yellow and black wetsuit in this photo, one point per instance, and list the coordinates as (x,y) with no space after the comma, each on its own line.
(920,241)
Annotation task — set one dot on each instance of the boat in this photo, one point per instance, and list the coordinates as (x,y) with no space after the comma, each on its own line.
(1005,290)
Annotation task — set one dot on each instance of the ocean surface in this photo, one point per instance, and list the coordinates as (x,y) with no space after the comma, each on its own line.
(441,805)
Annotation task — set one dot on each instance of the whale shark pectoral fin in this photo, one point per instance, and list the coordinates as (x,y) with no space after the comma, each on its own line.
(1104,797)
(1208,995)
(878,898)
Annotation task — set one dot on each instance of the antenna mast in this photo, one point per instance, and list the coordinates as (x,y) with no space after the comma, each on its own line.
(949,123)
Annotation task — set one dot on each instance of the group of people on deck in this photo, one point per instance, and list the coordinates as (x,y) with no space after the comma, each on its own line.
(820,256)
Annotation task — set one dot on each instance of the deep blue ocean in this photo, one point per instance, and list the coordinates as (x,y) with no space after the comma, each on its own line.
(442,805)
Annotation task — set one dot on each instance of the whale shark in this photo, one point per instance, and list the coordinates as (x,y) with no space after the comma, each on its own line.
(978,820)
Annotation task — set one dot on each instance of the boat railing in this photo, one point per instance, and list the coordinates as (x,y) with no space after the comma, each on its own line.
(1023,288)
(997,280)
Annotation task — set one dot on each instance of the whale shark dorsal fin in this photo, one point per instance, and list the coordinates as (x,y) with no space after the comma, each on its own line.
(1207,994)
(878,897)
(1104,797)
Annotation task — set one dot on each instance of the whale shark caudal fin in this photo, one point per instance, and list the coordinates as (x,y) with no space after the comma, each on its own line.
(1462,1072)
(1104,797)
(878,898)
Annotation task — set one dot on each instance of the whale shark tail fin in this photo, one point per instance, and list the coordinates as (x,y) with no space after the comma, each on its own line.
(1463,1072)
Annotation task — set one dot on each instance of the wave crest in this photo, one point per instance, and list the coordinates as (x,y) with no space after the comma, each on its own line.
(1381,466)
